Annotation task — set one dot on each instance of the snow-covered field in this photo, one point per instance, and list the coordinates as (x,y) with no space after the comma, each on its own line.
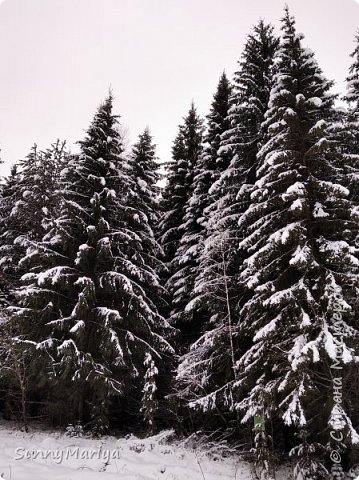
(37,456)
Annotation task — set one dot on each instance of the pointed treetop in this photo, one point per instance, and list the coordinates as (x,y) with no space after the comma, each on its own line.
(352,95)
(260,43)
(223,80)
(289,28)
(297,64)
(262,28)
(145,134)
(103,132)
(144,143)
(253,79)
(192,112)
(191,128)
(288,19)
(220,103)
(106,105)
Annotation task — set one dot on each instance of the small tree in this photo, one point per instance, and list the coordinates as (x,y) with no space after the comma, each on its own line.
(308,455)
(149,400)
(14,368)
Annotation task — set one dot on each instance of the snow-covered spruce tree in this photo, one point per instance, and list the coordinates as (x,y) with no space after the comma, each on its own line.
(345,129)
(344,136)
(7,201)
(211,165)
(206,373)
(352,95)
(349,144)
(13,222)
(300,270)
(306,460)
(346,141)
(29,203)
(145,173)
(29,200)
(93,280)
(186,151)
(240,142)
(206,172)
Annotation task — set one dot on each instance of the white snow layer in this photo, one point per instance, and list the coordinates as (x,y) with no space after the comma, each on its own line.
(125,458)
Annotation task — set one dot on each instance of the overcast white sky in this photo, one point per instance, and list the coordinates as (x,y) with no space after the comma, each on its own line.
(58,58)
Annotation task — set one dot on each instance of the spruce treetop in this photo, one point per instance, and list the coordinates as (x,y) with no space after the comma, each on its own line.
(103,132)
(352,95)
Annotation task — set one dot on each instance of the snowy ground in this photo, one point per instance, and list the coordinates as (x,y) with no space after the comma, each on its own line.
(22,458)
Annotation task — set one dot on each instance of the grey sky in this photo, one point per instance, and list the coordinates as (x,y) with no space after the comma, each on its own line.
(58,58)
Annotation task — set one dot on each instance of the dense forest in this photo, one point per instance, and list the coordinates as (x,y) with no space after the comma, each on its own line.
(224,302)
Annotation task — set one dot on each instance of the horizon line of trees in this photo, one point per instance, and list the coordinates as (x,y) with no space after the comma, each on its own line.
(226,301)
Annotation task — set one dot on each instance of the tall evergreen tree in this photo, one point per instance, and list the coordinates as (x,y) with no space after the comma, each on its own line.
(346,142)
(7,201)
(206,373)
(212,164)
(186,151)
(28,202)
(145,198)
(299,233)
(352,95)
(349,138)
(230,194)
(89,302)
(145,173)
(207,169)
(180,170)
